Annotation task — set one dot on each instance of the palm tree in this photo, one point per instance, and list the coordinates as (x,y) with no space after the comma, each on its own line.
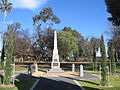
(5,7)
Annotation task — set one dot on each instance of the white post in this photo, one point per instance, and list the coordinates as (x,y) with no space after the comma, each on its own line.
(81,70)
(73,67)
(100,75)
(13,73)
(108,74)
(36,67)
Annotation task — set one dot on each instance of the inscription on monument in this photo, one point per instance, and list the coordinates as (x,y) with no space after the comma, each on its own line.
(55,59)
(55,64)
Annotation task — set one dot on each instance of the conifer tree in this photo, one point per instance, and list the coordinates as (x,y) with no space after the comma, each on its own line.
(103,62)
(111,54)
(94,59)
(9,56)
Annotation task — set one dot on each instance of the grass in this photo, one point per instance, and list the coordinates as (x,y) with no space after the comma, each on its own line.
(20,69)
(14,88)
(94,84)
(24,84)
(21,85)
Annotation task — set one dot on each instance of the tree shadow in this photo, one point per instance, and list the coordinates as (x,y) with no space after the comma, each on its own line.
(48,83)
(57,84)
(24,81)
(89,82)
(1,78)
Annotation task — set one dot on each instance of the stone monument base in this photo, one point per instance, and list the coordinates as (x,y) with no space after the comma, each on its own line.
(56,71)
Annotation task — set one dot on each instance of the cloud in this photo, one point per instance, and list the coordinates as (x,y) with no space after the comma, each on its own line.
(28,4)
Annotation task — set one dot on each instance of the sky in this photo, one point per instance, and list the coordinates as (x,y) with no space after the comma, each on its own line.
(89,17)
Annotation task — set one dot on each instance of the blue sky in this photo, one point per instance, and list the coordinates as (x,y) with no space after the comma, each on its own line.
(89,17)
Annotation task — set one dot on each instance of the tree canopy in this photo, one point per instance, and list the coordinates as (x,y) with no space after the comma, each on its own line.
(113,7)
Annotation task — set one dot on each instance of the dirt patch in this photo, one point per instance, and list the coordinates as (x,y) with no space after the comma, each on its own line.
(43,74)
(7,86)
(107,86)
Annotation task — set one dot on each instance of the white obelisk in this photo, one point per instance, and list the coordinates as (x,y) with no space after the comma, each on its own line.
(55,59)
(55,64)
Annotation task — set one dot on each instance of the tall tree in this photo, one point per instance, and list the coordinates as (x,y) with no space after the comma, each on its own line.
(5,7)
(67,44)
(94,59)
(112,58)
(113,7)
(47,17)
(9,56)
(103,62)
(43,23)
(79,38)
(43,44)
(95,44)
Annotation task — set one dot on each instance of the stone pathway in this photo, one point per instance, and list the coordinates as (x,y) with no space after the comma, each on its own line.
(62,82)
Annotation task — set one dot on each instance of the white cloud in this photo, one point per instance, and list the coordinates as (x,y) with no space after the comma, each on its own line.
(28,4)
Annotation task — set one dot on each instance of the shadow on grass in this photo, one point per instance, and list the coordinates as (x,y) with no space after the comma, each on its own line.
(89,82)
(58,84)
(24,81)
(1,78)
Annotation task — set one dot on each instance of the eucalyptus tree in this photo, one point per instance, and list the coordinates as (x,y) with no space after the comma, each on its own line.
(5,7)
(43,37)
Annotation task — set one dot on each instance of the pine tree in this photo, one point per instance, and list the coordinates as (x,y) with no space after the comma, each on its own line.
(94,59)
(112,59)
(9,56)
(103,62)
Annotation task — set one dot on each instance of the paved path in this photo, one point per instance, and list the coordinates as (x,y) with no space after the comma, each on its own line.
(56,83)
(61,83)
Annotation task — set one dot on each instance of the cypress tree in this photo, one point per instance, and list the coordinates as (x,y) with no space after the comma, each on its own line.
(112,59)
(2,56)
(9,56)
(103,62)
(94,58)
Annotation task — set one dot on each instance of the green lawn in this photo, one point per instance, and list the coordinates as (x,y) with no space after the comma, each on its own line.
(20,69)
(14,88)
(21,85)
(93,84)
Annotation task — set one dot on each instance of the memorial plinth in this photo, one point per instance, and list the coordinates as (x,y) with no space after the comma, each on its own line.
(55,64)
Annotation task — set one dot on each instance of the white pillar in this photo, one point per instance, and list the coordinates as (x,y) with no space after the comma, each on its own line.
(36,67)
(73,67)
(81,70)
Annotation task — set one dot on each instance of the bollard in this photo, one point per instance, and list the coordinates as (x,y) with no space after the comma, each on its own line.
(81,70)
(73,67)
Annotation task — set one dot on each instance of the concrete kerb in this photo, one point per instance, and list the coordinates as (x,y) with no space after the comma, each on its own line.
(34,85)
(79,85)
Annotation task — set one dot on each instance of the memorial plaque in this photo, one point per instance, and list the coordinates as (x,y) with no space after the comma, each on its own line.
(55,64)
(55,59)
